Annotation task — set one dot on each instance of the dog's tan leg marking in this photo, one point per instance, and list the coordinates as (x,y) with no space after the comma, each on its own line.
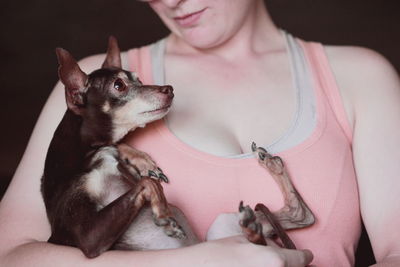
(140,163)
(152,193)
(138,166)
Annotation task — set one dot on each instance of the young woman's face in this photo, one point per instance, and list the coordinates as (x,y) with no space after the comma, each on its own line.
(203,23)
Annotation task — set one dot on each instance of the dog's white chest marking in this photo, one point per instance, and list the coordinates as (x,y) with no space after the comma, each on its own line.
(103,182)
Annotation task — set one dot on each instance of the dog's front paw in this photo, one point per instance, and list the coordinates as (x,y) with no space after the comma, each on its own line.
(141,163)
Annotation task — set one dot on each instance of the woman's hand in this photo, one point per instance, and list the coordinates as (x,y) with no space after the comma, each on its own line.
(238,251)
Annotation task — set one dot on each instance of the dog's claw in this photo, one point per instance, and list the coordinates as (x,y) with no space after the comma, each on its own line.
(253,147)
(241,207)
(262,152)
(158,175)
(163,177)
(171,227)
(152,174)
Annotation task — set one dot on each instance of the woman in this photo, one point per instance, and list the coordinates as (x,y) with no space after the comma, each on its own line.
(329,113)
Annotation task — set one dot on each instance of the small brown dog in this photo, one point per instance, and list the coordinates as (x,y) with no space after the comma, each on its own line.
(101,194)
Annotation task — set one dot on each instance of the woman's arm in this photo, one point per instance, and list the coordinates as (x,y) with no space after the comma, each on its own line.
(371,91)
(23,217)
(24,227)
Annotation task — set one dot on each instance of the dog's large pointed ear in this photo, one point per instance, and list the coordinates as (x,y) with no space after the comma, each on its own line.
(74,80)
(113,58)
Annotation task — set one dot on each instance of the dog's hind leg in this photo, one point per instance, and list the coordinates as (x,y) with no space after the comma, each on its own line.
(162,216)
(252,225)
(96,231)
(295,213)
(278,229)
(251,228)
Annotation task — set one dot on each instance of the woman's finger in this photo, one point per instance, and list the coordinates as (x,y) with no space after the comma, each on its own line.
(293,257)
(296,258)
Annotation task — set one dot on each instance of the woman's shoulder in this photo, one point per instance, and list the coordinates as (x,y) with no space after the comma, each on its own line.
(363,76)
(360,65)
(356,60)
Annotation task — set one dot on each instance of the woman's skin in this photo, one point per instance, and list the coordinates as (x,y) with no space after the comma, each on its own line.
(237,56)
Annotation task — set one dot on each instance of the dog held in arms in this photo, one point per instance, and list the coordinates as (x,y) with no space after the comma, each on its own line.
(101,194)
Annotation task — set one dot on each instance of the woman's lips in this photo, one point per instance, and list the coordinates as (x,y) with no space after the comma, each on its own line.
(189,19)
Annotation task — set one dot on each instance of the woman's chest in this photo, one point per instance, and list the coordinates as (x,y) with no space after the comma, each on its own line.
(222,112)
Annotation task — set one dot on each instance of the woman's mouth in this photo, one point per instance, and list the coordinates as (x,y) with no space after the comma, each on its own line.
(190,19)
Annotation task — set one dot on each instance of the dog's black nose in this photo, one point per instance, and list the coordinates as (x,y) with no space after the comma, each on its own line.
(167,89)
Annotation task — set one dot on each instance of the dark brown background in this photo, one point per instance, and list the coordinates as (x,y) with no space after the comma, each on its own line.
(30,30)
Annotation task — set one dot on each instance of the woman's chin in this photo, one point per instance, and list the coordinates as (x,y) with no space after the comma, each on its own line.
(202,38)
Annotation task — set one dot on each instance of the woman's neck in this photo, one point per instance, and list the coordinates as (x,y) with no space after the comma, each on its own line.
(257,35)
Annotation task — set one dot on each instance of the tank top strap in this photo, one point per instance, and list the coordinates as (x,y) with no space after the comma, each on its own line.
(323,73)
(140,62)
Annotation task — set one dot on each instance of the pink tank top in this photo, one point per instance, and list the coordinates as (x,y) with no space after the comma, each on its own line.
(203,185)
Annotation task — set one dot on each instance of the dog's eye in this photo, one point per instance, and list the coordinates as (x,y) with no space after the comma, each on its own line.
(119,85)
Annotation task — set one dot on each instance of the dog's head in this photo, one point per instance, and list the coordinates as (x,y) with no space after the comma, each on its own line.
(110,100)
